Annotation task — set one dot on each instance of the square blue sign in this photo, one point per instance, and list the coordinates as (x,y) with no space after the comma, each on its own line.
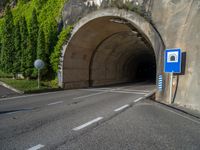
(172,60)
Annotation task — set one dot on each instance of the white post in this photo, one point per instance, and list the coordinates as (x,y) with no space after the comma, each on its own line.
(38,78)
(171,88)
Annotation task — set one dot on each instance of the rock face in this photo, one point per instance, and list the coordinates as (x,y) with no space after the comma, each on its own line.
(76,9)
(3,3)
(177,23)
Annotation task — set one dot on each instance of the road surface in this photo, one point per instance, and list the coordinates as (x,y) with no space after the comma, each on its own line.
(110,118)
(5,92)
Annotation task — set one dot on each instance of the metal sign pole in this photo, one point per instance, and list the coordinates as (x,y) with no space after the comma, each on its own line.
(171,88)
(38,78)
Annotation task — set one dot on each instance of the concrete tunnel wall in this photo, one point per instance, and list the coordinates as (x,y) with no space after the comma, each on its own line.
(102,52)
(177,22)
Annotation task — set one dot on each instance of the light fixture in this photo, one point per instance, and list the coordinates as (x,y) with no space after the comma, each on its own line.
(118,20)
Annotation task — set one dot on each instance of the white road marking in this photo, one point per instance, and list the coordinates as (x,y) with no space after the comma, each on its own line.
(87,124)
(121,108)
(139,99)
(31,95)
(126,92)
(55,103)
(181,115)
(147,95)
(119,90)
(36,147)
(85,96)
(132,90)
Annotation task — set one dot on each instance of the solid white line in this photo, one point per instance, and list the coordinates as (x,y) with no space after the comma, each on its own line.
(121,108)
(55,103)
(125,92)
(147,95)
(181,115)
(132,90)
(95,90)
(119,91)
(85,96)
(139,99)
(31,95)
(87,124)
(36,147)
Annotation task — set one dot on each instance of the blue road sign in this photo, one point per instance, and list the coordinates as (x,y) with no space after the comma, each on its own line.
(172,61)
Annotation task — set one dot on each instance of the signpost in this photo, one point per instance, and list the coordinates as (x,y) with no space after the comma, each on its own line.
(39,64)
(172,64)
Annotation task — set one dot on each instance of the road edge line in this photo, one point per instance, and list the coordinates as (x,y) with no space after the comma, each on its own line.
(11,88)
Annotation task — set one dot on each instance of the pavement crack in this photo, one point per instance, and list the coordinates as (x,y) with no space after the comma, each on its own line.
(16,110)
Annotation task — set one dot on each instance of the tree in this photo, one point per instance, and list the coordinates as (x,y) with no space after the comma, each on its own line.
(41,51)
(51,38)
(7,42)
(18,52)
(24,45)
(33,34)
(32,44)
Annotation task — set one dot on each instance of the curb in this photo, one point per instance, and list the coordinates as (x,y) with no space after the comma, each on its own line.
(179,109)
(11,88)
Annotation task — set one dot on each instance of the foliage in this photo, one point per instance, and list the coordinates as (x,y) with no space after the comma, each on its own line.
(25,58)
(33,14)
(32,43)
(18,52)
(7,42)
(33,34)
(41,52)
(5,75)
(55,57)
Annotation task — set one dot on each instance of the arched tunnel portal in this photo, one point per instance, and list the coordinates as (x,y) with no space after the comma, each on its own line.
(109,47)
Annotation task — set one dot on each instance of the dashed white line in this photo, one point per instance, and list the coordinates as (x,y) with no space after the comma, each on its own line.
(85,96)
(121,108)
(139,99)
(36,147)
(59,102)
(87,124)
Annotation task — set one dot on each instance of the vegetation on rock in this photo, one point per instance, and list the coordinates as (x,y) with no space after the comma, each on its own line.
(30,31)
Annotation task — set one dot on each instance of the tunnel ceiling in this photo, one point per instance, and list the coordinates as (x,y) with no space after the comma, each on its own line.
(105,51)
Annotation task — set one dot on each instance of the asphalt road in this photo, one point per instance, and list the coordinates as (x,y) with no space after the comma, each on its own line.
(5,92)
(111,118)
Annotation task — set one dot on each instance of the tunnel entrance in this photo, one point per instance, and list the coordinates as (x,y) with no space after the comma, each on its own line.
(123,57)
(108,48)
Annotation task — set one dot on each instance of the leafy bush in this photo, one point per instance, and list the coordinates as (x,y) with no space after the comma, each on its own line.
(55,57)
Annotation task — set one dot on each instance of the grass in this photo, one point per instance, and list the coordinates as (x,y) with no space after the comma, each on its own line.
(5,75)
(31,86)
